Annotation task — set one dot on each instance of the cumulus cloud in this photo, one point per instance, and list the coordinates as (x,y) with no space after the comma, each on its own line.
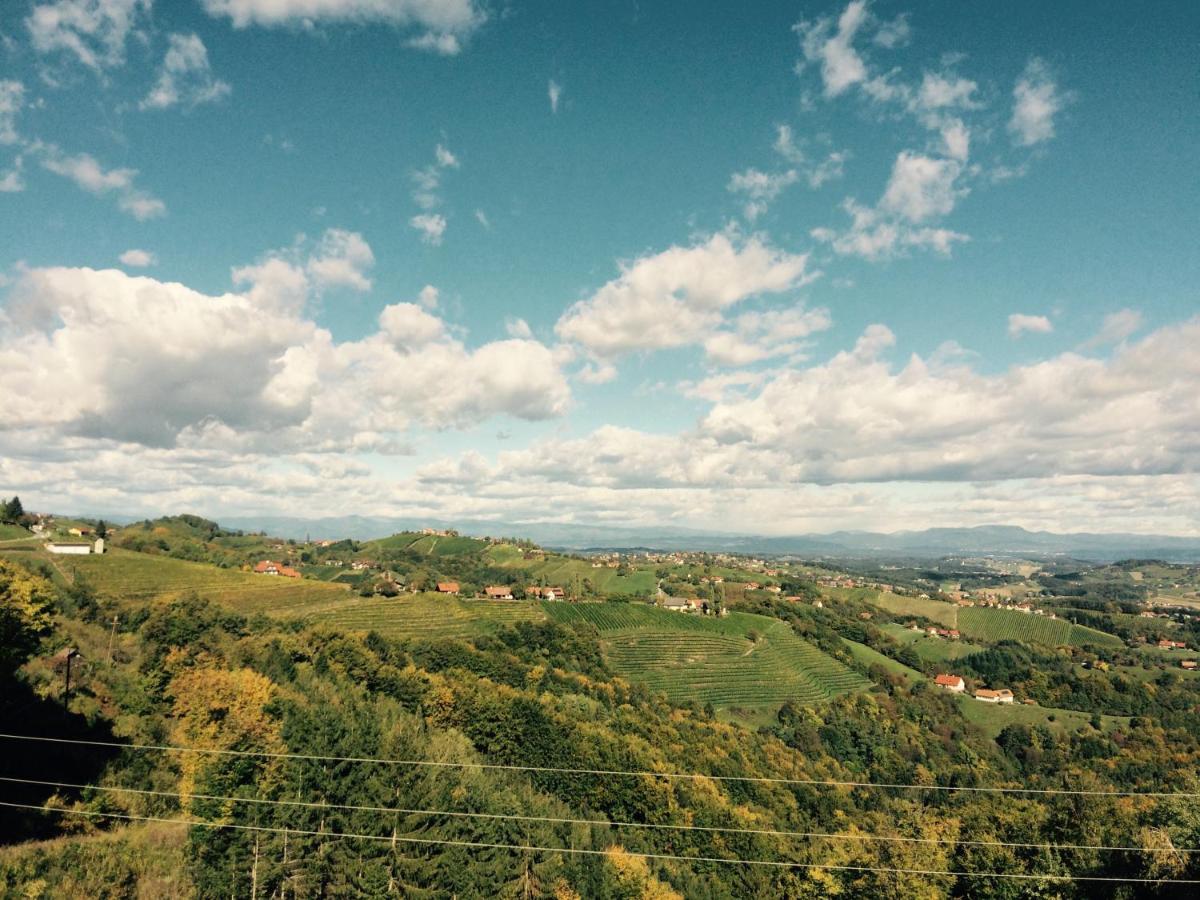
(94,32)
(1036,101)
(755,336)
(91,176)
(554,91)
(857,419)
(431,227)
(677,297)
(128,358)
(1020,323)
(12,99)
(137,259)
(185,77)
(443,24)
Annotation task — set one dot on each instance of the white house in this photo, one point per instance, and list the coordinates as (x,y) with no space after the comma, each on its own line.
(1004,695)
(953,683)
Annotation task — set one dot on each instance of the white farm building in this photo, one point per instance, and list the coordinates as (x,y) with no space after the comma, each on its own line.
(76,548)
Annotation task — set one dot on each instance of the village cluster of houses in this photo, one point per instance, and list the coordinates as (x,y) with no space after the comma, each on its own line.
(955,685)
(504,591)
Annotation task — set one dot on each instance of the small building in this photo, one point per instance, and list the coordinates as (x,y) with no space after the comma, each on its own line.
(267,567)
(1004,695)
(952,683)
(98,546)
(81,531)
(1189,664)
(677,604)
(498,592)
(547,593)
(447,587)
(71,548)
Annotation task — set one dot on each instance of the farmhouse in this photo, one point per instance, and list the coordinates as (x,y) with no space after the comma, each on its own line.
(952,683)
(498,592)
(1004,695)
(1189,664)
(677,604)
(547,593)
(73,548)
(447,587)
(1166,644)
(270,567)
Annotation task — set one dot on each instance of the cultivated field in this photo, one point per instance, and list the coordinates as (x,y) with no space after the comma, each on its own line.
(742,661)
(126,575)
(564,572)
(931,648)
(985,624)
(935,610)
(421,615)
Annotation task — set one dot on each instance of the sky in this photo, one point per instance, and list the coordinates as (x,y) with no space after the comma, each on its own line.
(788,268)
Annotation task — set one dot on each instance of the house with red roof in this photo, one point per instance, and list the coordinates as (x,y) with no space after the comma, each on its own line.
(952,683)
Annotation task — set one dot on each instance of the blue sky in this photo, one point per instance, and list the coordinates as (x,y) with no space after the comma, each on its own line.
(788,267)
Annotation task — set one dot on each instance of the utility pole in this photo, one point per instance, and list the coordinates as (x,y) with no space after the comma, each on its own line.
(254,872)
(67,654)
(111,638)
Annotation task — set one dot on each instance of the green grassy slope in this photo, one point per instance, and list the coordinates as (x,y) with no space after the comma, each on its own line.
(982,623)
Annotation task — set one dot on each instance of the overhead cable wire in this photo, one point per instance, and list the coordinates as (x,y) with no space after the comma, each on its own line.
(527,848)
(555,770)
(556,820)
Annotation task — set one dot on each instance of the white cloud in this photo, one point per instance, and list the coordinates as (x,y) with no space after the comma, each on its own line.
(760,188)
(895,33)
(677,297)
(518,328)
(185,76)
(12,99)
(1020,323)
(482,219)
(554,91)
(93,31)
(445,159)
(117,357)
(408,326)
(922,187)
(428,297)
(815,173)
(832,48)
(432,227)
(755,336)
(88,174)
(1116,327)
(138,259)
(441,44)
(1036,101)
(340,260)
(938,91)
(12,182)
(874,235)
(444,24)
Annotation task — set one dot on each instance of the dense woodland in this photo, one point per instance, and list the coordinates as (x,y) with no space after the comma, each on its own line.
(188,672)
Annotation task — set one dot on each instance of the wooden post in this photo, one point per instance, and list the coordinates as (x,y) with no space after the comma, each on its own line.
(254,872)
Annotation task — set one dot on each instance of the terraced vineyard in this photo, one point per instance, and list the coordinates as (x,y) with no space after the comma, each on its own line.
(423,615)
(126,575)
(987,624)
(742,661)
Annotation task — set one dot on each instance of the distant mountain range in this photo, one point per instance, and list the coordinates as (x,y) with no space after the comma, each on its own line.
(991,540)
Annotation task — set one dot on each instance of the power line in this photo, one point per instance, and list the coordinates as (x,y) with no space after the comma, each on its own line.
(554,770)
(526,848)
(555,820)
